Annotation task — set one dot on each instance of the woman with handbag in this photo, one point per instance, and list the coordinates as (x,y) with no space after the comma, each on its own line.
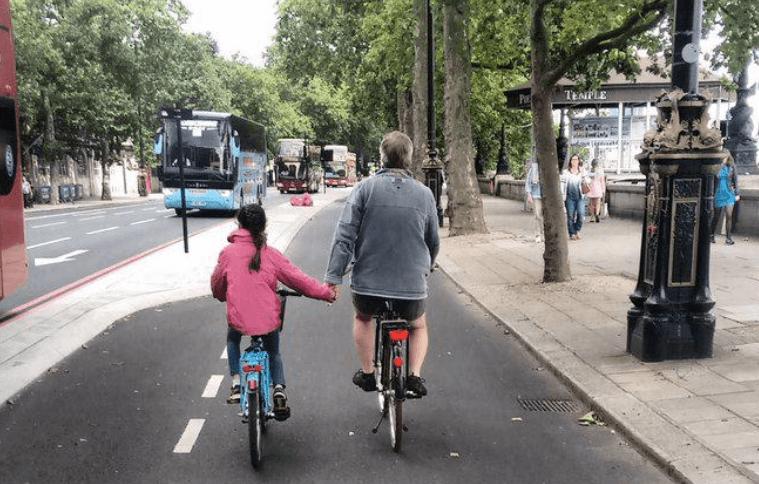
(576,185)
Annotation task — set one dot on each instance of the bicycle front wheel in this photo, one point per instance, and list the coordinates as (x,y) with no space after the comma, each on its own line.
(255,428)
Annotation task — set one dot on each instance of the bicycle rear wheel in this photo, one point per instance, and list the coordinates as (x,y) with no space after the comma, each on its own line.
(255,427)
(394,408)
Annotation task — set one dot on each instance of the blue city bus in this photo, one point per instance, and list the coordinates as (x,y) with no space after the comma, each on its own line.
(224,160)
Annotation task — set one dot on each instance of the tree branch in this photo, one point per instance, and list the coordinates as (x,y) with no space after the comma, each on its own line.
(613,38)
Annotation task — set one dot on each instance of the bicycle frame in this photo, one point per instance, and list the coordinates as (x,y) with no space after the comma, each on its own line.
(254,364)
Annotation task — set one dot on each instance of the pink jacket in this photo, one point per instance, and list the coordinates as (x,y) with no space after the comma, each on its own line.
(252,303)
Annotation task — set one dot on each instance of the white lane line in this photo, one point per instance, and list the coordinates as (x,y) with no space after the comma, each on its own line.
(170,216)
(124,213)
(91,218)
(143,221)
(212,387)
(47,225)
(101,231)
(90,212)
(41,217)
(48,243)
(148,209)
(163,210)
(224,354)
(189,436)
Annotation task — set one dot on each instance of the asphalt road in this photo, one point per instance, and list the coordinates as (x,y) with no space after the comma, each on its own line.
(97,238)
(115,411)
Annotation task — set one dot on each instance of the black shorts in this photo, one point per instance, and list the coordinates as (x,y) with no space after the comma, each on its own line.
(408,309)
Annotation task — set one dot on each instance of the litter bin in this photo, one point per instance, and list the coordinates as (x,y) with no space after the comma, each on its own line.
(42,194)
(64,193)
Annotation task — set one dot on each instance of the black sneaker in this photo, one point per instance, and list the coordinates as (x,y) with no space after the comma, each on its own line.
(234,395)
(415,387)
(729,241)
(281,410)
(365,381)
(714,241)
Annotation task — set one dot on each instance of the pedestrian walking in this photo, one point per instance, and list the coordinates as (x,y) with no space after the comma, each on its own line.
(534,192)
(26,190)
(597,191)
(576,185)
(246,278)
(725,197)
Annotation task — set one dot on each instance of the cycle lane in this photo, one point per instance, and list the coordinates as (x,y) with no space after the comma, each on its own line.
(142,382)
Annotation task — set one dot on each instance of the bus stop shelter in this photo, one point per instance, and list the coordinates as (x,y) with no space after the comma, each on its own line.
(610,121)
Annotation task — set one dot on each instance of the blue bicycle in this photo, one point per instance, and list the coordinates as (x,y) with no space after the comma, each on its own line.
(256,388)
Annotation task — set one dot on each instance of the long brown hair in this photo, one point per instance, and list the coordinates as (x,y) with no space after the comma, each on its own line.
(253,219)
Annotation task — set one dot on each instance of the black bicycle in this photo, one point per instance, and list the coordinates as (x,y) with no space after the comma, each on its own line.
(391,352)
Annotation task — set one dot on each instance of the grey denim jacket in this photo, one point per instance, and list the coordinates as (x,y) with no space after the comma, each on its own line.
(388,228)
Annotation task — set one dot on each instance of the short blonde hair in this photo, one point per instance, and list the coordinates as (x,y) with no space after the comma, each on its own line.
(396,150)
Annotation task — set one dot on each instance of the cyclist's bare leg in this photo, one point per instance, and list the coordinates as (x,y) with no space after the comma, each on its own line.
(418,342)
(363,336)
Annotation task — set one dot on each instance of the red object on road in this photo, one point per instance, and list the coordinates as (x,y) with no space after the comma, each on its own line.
(13,270)
(303,201)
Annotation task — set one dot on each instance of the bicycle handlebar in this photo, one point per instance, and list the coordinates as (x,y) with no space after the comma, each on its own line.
(287,292)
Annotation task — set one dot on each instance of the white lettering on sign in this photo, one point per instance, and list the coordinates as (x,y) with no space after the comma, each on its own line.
(585,95)
(525,99)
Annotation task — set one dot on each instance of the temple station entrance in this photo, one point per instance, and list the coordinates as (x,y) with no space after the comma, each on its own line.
(608,123)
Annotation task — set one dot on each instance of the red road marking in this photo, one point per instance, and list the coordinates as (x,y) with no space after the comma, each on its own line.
(41,301)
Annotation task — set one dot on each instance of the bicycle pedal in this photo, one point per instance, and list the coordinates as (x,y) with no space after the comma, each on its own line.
(282,414)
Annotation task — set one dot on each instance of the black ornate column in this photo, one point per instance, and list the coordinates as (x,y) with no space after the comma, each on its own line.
(479,163)
(740,141)
(562,142)
(671,315)
(432,168)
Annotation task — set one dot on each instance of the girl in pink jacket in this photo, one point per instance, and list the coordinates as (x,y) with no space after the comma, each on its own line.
(246,277)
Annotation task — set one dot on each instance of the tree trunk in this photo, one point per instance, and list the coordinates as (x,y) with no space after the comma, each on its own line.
(105,165)
(419,91)
(464,202)
(405,112)
(555,256)
(49,152)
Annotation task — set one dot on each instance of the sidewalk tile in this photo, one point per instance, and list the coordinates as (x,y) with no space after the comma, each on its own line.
(745,404)
(734,440)
(720,426)
(741,371)
(692,409)
(702,381)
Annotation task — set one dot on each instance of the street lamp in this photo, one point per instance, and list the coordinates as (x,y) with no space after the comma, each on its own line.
(671,315)
(433,169)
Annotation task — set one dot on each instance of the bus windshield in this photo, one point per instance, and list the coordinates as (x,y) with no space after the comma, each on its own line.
(202,143)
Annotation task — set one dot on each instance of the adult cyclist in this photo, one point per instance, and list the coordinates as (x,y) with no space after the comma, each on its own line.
(388,228)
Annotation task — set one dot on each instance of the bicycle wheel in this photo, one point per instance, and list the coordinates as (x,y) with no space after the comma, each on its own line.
(383,371)
(255,428)
(395,414)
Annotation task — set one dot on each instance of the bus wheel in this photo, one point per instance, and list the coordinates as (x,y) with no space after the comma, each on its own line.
(178,211)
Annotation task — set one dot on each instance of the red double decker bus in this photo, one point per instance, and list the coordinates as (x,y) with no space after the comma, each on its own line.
(12,247)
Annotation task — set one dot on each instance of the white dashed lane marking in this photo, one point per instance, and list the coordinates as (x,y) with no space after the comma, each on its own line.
(124,213)
(189,436)
(143,221)
(224,354)
(49,243)
(102,230)
(47,225)
(212,387)
(91,218)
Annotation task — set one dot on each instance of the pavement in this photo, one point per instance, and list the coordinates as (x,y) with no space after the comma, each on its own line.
(38,339)
(144,400)
(91,203)
(698,418)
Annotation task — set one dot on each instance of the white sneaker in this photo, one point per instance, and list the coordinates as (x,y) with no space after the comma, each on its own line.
(538,239)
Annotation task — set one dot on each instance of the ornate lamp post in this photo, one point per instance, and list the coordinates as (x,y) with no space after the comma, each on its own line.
(502,168)
(740,140)
(433,169)
(671,317)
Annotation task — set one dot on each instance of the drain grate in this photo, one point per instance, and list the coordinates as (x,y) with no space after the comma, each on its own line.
(547,405)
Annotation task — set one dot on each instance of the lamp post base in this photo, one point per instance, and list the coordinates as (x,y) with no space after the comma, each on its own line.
(669,336)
